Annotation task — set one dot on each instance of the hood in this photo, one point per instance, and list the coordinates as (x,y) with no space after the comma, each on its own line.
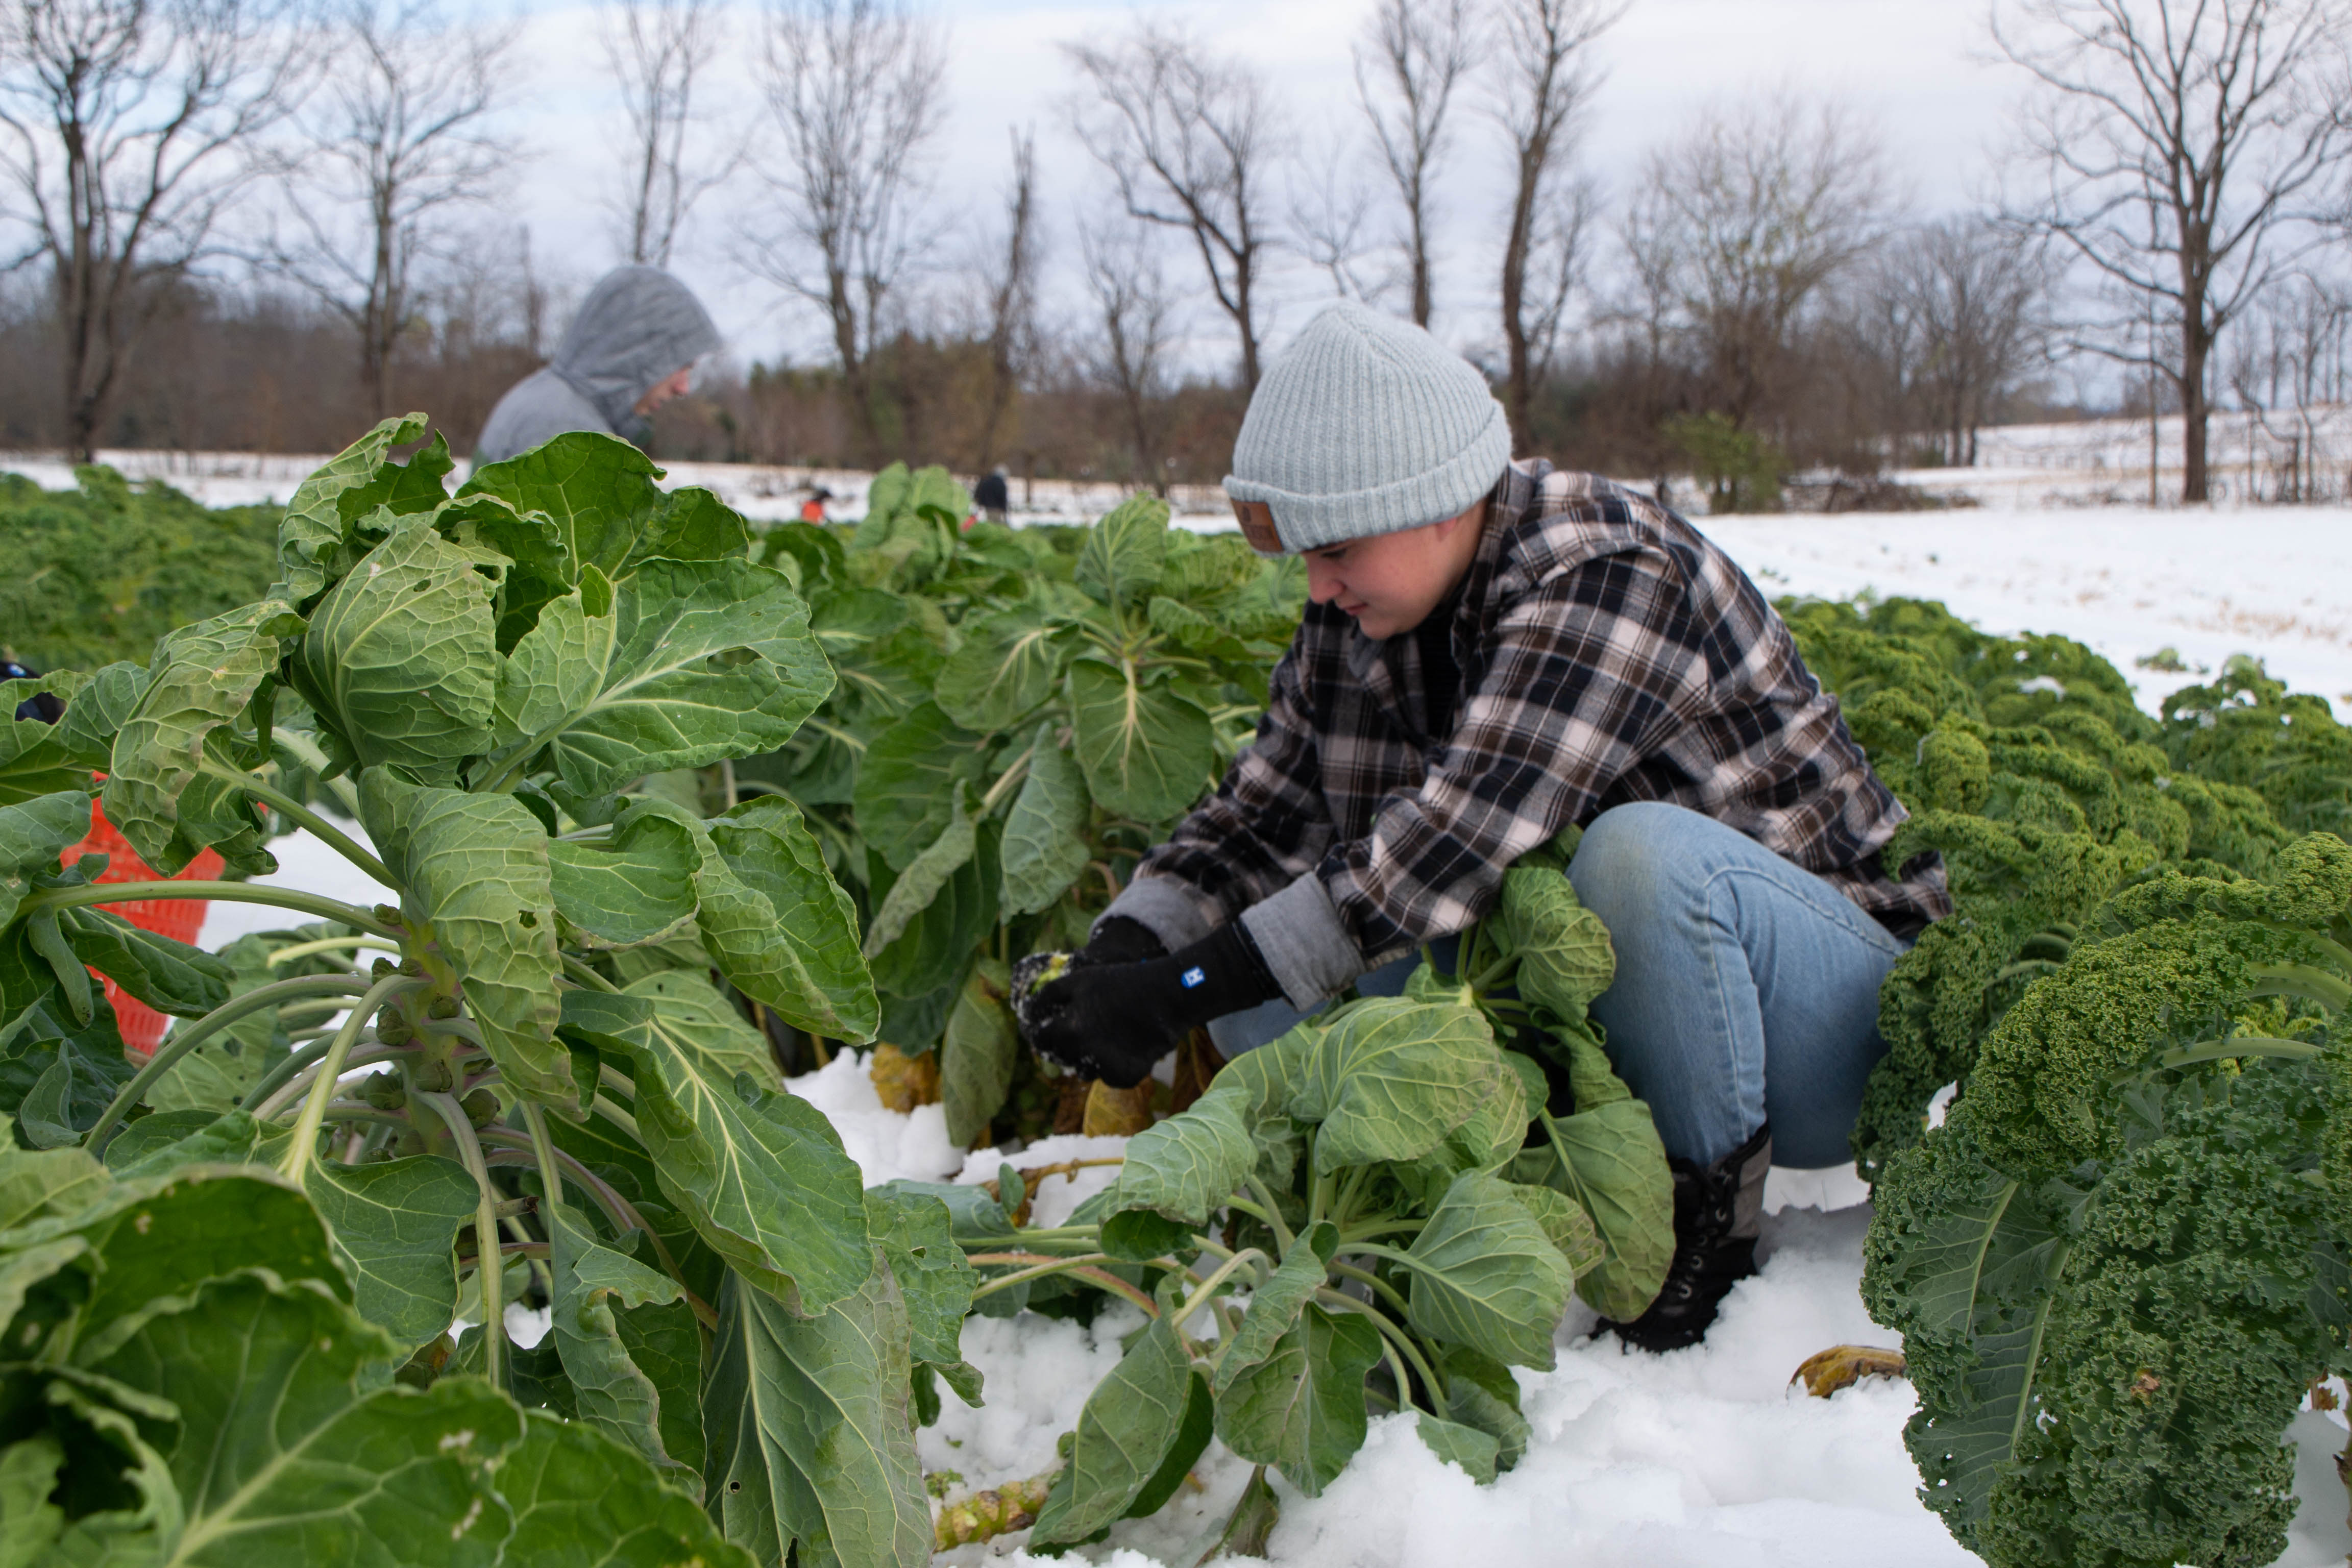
(637,327)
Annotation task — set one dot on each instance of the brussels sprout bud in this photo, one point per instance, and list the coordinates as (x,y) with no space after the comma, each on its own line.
(410,1142)
(431,1076)
(393,1028)
(481,1107)
(388,915)
(441,1008)
(384,1090)
(381,967)
(413,967)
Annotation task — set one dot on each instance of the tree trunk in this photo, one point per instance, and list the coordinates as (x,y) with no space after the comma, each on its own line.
(1517,392)
(1421,282)
(1245,270)
(2190,383)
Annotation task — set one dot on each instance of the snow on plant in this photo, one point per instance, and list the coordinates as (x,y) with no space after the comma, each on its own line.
(565,1103)
(1352,1217)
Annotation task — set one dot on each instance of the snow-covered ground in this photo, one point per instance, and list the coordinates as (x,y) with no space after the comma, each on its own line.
(1705,1456)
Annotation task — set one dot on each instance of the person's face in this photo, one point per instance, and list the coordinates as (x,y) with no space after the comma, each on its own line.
(663,390)
(1391,581)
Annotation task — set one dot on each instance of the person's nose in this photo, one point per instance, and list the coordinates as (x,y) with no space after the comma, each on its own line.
(1322,582)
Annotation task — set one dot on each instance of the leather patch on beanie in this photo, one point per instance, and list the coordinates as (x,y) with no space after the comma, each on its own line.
(1258,526)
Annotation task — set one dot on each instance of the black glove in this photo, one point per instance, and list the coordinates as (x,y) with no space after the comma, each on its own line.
(1112,1020)
(1119,939)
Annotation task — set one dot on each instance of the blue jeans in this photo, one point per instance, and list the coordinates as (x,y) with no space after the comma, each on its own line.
(1747,987)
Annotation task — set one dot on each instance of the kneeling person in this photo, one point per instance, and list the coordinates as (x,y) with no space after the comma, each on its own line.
(1491,651)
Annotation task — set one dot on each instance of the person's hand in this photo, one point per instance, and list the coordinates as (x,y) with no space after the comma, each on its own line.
(1112,1019)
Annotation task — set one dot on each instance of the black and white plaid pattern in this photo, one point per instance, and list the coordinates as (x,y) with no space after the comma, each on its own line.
(1609,652)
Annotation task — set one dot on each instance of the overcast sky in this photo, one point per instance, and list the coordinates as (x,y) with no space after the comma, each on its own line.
(1913,70)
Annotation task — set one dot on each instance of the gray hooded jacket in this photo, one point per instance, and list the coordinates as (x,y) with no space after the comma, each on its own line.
(635,329)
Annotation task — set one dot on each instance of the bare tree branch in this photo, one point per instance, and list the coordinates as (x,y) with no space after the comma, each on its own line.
(1134,317)
(1413,56)
(1012,284)
(126,127)
(2183,154)
(383,158)
(1545,81)
(1189,139)
(853,87)
(659,52)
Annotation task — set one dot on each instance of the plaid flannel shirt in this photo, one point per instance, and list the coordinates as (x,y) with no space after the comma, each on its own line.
(1608,652)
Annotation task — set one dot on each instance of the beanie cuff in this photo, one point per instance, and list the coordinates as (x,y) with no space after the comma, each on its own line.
(1307,522)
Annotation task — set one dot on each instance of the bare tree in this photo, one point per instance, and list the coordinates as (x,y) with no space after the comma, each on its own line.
(1189,138)
(1133,317)
(1413,56)
(659,52)
(854,88)
(1331,217)
(129,127)
(1545,81)
(1737,228)
(1963,298)
(1012,283)
(2182,151)
(386,157)
(2287,363)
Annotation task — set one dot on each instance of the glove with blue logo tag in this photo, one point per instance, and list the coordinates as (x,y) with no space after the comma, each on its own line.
(1112,1020)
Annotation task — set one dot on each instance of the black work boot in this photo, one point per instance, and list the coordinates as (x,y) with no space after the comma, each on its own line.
(1717,1213)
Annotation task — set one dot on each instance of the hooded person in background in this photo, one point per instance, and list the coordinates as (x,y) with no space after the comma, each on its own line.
(1491,651)
(629,350)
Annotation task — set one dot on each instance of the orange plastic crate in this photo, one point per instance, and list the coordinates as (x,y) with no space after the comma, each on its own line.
(179,919)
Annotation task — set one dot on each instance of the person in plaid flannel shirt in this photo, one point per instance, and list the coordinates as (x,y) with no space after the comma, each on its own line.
(1491,651)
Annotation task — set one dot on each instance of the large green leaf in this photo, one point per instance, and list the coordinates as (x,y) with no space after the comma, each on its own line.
(761,1174)
(35,758)
(1123,555)
(1302,1408)
(1475,1450)
(216,1075)
(1128,1425)
(558,667)
(598,490)
(978,1053)
(1608,1158)
(1565,1223)
(45,1182)
(33,832)
(1146,752)
(811,1435)
(1046,831)
(303,1452)
(912,892)
(917,1236)
(475,867)
(1277,1304)
(1004,669)
(203,676)
(937,946)
(95,715)
(402,655)
(312,538)
(29,1521)
(706,660)
(1564,952)
(638,886)
(395,1227)
(1187,1166)
(56,1075)
(1390,1077)
(910,782)
(583,1500)
(665,1344)
(591,1282)
(169,976)
(1485,1274)
(778,925)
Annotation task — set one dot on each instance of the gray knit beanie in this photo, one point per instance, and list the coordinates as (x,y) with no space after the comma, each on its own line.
(1364,425)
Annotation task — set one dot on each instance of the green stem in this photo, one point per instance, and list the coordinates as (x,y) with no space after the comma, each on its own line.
(1338,1300)
(327,944)
(1389,1292)
(588,977)
(2240,1045)
(1007,781)
(488,1281)
(1349,1237)
(305,750)
(1271,1212)
(330,1067)
(1216,1280)
(293,810)
(1084,1267)
(618,1118)
(543,1149)
(219,892)
(1494,971)
(188,1036)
